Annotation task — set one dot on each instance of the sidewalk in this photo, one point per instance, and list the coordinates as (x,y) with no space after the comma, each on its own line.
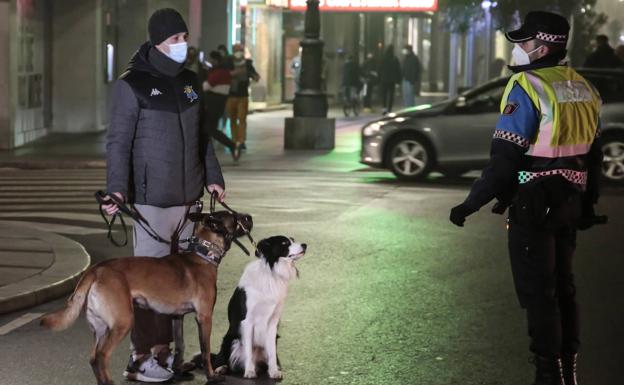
(265,148)
(36,266)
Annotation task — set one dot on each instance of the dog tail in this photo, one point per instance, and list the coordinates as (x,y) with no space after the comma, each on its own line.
(64,318)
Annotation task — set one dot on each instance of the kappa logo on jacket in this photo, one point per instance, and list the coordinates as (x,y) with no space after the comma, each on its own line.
(190,94)
(155,92)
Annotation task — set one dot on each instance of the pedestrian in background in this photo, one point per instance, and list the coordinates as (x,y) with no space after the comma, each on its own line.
(216,90)
(237,106)
(370,74)
(192,60)
(157,159)
(295,70)
(351,82)
(497,67)
(390,76)
(226,61)
(225,54)
(547,170)
(411,76)
(603,56)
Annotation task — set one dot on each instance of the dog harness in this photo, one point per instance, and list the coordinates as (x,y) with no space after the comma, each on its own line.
(208,251)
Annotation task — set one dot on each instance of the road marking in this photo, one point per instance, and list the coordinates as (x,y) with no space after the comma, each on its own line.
(94,218)
(19,322)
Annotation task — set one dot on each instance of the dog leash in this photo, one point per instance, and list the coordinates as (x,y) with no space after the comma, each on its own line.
(103,198)
(213,204)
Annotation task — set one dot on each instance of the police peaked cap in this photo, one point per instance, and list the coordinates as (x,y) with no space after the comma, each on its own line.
(541,25)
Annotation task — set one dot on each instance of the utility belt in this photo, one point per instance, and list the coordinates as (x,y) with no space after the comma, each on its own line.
(537,198)
(578,178)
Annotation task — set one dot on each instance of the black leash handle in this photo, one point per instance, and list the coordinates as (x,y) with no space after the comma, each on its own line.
(103,199)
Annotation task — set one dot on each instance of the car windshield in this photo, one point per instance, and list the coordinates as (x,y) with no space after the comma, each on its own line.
(484,88)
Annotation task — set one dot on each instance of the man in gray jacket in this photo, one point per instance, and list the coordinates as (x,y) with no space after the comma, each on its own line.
(160,159)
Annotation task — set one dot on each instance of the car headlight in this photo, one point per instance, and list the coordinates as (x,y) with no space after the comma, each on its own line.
(371,129)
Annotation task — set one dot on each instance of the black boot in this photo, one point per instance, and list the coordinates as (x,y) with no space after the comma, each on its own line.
(568,364)
(547,371)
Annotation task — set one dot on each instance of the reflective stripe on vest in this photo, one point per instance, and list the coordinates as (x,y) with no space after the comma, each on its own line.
(568,105)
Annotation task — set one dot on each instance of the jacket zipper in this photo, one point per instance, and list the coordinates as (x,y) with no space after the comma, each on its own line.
(183,140)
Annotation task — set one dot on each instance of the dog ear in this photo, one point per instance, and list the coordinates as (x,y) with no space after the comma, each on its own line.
(262,248)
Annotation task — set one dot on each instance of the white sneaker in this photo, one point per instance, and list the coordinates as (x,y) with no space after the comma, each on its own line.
(184,372)
(147,370)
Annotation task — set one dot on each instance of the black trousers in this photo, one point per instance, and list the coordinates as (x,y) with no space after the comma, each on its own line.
(387,96)
(214,110)
(150,329)
(368,102)
(541,251)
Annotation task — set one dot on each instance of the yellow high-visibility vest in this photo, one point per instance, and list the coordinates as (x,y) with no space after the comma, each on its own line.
(568,107)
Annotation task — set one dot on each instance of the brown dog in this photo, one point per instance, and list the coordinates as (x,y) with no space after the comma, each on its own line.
(176,284)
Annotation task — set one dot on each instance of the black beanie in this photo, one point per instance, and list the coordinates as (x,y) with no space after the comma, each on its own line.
(164,23)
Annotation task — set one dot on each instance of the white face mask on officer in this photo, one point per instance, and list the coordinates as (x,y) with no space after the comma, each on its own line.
(178,52)
(520,56)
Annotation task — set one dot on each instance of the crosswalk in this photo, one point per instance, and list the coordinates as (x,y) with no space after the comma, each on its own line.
(59,201)
(62,201)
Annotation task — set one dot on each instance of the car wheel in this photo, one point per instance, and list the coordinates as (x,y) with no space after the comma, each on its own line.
(613,161)
(409,157)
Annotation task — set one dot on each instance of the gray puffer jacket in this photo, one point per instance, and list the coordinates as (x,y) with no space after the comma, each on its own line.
(158,152)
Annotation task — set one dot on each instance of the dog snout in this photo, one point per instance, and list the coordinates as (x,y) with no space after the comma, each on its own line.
(247,221)
(304,246)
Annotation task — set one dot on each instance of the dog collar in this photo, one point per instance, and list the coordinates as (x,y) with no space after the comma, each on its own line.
(208,251)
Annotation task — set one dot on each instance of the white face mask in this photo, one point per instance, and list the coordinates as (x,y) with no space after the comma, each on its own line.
(238,54)
(178,52)
(520,56)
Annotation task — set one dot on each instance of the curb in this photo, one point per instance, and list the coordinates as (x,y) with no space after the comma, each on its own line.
(70,261)
(271,108)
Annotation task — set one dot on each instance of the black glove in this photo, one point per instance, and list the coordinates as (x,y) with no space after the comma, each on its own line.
(587,219)
(499,207)
(459,214)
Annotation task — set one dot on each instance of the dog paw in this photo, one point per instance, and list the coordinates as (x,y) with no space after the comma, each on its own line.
(250,374)
(223,369)
(275,374)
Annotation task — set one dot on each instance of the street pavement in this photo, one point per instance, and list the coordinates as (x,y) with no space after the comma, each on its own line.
(389,291)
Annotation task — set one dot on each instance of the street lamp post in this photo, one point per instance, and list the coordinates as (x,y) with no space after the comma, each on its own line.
(310,128)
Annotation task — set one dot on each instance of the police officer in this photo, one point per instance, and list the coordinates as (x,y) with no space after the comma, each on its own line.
(545,165)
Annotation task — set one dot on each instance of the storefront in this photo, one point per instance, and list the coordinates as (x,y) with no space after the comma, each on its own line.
(351,27)
(24,68)
(261,34)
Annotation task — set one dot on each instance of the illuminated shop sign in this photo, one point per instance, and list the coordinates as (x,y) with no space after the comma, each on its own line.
(370,5)
(271,3)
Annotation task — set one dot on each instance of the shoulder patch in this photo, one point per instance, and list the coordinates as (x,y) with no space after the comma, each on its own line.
(510,108)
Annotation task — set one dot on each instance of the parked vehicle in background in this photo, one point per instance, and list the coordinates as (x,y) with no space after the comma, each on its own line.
(454,136)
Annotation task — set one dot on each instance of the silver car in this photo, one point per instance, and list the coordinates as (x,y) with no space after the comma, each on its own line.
(454,136)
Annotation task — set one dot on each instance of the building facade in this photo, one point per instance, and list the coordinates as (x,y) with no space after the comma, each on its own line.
(58,58)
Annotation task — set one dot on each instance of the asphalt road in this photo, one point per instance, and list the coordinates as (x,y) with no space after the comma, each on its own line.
(390,292)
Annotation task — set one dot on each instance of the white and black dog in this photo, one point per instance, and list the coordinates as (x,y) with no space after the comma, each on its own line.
(255,309)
